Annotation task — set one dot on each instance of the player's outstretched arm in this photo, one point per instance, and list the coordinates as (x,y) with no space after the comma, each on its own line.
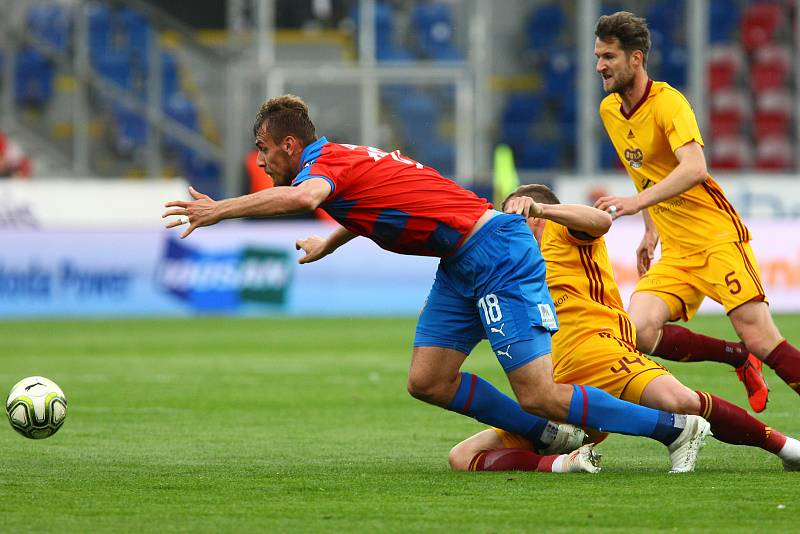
(577,217)
(317,248)
(202,210)
(690,171)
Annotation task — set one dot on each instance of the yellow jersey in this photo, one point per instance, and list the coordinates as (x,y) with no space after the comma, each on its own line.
(583,289)
(645,140)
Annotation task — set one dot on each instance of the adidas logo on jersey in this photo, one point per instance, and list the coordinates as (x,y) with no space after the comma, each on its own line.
(630,134)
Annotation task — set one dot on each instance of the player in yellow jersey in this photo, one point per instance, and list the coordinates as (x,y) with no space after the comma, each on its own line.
(705,250)
(596,343)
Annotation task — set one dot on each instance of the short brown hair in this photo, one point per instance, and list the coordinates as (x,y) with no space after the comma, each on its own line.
(285,115)
(537,192)
(631,32)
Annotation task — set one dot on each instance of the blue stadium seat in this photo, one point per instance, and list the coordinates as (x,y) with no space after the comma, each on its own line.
(567,107)
(392,53)
(419,116)
(674,65)
(136,32)
(182,110)
(394,93)
(118,68)
(723,19)
(100,29)
(521,110)
(433,26)
(33,78)
(203,173)
(609,8)
(50,22)
(438,154)
(567,131)
(664,17)
(538,155)
(544,26)
(608,155)
(559,73)
(384,27)
(522,107)
(130,132)
(170,83)
(385,49)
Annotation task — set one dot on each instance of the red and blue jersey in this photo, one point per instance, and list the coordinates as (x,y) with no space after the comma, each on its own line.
(400,204)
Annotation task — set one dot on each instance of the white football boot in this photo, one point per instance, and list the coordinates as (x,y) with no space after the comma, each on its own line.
(582,460)
(567,439)
(684,450)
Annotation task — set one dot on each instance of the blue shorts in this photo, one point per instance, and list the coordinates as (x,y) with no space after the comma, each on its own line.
(492,288)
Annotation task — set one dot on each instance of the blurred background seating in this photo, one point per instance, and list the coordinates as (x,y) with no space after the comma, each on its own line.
(534,101)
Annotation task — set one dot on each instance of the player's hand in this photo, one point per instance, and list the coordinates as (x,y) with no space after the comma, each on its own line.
(618,206)
(202,211)
(524,206)
(645,252)
(313,246)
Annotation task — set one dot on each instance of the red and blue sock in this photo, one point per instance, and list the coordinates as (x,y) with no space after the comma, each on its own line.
(480,400)
(595,408)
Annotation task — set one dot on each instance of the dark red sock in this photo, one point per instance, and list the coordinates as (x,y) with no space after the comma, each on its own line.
(785,361)
(680,344)
(731,424)
(511,460)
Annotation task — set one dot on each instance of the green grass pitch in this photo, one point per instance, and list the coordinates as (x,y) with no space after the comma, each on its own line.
(287,425)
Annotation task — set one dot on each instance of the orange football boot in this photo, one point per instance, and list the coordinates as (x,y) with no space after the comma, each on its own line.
(751,376)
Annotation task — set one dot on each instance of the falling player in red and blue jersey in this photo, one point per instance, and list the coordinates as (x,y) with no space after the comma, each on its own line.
(490,282)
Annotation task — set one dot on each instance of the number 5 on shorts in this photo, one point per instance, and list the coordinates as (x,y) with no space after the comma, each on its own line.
(734,286)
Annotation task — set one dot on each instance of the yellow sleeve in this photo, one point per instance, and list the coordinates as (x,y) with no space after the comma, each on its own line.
(675,117)
(566,235)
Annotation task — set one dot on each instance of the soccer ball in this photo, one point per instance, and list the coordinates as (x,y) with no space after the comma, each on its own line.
(36,407)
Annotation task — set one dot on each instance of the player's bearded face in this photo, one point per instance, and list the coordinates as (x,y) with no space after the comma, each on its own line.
(614,66)
(621,81)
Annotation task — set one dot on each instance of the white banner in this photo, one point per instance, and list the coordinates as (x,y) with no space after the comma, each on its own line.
(231,268)
(776,245)
(110,204)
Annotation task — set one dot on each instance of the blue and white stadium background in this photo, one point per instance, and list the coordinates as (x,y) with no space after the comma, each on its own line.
(119,105)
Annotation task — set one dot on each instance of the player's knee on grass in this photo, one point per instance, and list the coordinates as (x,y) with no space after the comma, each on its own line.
(462,454)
